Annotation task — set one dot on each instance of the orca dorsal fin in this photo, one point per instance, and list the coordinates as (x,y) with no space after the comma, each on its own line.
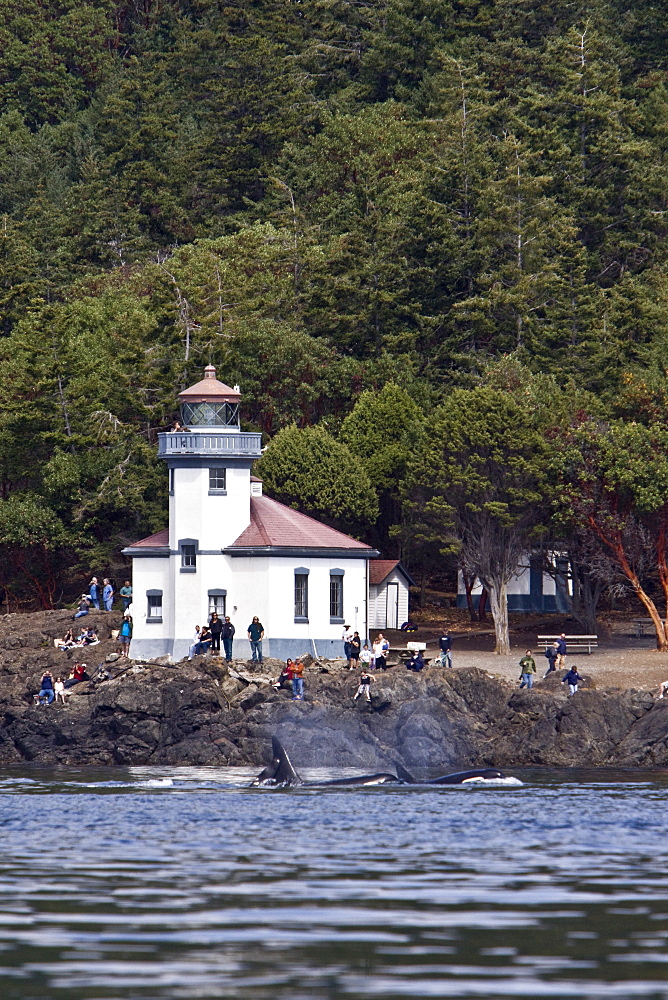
(404,775)
(285,773)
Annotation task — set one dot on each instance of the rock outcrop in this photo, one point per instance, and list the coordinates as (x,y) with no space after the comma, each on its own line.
(201,712)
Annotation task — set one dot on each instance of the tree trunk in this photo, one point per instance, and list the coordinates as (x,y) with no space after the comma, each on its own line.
(498,603)
(617,548)
(482,606)
(469,582)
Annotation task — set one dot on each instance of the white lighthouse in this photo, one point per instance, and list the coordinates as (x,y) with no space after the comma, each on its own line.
(230,549)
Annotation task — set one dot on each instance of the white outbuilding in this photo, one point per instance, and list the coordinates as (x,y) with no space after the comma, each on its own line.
(388,593)
(232,550)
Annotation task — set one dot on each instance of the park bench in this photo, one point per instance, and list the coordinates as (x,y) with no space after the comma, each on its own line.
(574,643)
(404,653)
(644,626)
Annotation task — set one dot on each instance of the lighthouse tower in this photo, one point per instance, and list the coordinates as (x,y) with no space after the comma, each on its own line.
(209,464)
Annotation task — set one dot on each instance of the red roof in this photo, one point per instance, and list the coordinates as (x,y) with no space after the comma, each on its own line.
(273,524)
(209,388)
(156,541)
(381,568)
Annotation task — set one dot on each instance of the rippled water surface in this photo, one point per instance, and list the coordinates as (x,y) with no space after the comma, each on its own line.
(180,882)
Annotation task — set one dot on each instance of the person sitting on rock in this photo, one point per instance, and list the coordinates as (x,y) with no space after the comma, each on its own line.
(90,637)
(205,640)
(194,649)
(416,661)
(46,694)
(285,676)
(59,688)
(83,606)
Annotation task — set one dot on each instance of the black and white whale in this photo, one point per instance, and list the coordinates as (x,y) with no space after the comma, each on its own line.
(456,778)
(281,774)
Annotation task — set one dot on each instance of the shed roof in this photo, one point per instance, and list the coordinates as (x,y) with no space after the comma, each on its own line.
(380,569)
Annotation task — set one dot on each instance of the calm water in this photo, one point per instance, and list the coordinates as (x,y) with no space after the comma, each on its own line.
(169,883)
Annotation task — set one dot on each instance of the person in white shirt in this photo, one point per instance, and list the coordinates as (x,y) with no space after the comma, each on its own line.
(365,655)
(196,642)
(347,636)
(380,648)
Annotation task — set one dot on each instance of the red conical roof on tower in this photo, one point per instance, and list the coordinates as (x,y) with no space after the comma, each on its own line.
(210,390)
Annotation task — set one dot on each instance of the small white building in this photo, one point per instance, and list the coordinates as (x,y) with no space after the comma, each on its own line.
(230,549)
(530,589)
(388,593)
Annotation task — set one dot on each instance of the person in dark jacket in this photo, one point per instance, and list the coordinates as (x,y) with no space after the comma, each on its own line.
(416,662)
(215,627)
(561,651)
(228,637)
(445,645)
(551,654)
(572,678)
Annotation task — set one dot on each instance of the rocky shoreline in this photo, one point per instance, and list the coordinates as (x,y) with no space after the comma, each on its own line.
(199,712)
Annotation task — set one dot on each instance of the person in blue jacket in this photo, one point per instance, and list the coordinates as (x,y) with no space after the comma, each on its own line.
(572,678)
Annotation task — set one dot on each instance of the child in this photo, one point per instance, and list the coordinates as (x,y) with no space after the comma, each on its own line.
(59,688)
(528,668)
(572,678)
(365,656)
(365,685)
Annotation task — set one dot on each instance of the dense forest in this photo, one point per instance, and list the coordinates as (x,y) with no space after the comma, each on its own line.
(427,238)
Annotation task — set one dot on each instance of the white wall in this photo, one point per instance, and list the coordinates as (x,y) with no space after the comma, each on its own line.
(215,521)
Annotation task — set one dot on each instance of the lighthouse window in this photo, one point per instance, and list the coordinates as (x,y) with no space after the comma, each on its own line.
(188,557)
(217,480)
(335,598)
(301,597)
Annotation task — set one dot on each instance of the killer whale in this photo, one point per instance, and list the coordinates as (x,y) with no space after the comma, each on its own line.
(456,778)
(282,774)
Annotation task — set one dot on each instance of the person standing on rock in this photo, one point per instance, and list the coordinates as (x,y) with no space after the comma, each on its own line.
(445,645)
(380,648)
(528,668)
(125,635)
(561,651)
(552,654)
(347,637)
(298,680)
(255,637)
(355,649)
(364,685)
(572,678)
(228,637)
(126,595)
(94,591)
(216,628)
(108,595)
